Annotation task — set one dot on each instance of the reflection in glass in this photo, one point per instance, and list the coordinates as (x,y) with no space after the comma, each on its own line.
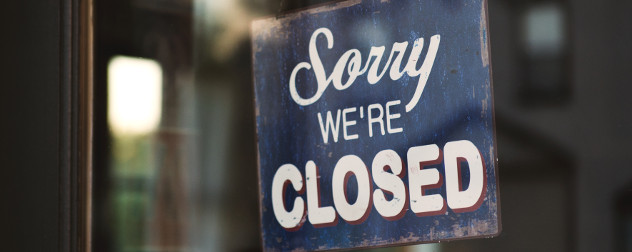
(545,46)
(134,112)
(135,95)
(544,29)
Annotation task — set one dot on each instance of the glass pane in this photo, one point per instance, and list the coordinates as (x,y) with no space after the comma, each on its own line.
(175,160)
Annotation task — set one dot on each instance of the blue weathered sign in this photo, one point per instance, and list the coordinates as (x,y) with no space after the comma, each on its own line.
(375,124)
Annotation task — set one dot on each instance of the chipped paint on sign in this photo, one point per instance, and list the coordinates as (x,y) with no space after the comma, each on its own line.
(375,125)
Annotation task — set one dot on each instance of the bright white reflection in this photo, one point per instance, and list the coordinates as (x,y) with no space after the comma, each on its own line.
(544,28)
(134,95)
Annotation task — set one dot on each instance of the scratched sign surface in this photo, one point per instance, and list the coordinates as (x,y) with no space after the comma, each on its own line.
(375,124)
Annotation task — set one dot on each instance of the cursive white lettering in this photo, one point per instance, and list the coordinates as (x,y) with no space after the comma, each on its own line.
(352,61)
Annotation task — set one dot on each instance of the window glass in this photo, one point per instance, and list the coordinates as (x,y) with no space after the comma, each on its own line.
(175,161)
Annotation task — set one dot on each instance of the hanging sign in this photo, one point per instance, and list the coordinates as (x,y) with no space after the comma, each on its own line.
(375,125)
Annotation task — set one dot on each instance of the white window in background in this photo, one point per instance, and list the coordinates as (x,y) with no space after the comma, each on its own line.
(134,95)
(543,27)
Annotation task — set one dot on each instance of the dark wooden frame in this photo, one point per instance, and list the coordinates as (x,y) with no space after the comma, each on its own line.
(76,121)
(47,125)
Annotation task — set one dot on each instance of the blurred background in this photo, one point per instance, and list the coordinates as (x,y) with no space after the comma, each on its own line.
(175,165)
